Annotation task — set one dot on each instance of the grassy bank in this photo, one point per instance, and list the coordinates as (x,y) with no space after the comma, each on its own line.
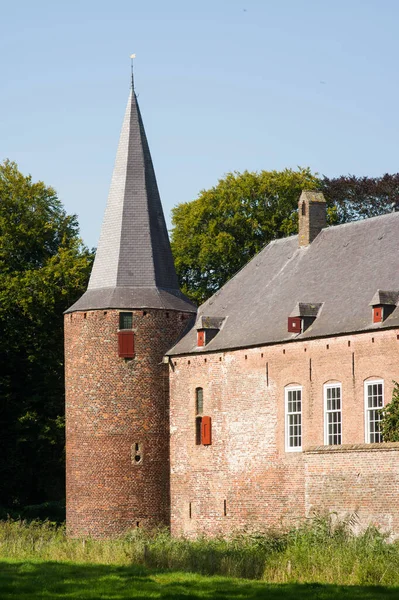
(51,580)
(321,552)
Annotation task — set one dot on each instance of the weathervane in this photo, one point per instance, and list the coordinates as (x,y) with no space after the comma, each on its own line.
(132,56)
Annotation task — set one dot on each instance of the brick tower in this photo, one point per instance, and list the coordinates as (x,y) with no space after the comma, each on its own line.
(117,389)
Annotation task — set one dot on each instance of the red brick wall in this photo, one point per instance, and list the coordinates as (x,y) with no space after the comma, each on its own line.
(363,479)
(111,404)
(247,465)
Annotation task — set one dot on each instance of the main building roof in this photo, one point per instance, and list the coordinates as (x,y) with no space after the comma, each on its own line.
(342,269)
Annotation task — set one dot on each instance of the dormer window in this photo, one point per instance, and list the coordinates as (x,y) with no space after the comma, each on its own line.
(201,337)
(126,335)
(294,325)
(383,304)
(207,329)
(302,317)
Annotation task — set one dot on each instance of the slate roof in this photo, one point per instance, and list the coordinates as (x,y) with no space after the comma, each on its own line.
(341,269)
(134,266)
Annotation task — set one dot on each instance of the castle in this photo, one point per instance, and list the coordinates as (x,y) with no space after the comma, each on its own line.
(260,409)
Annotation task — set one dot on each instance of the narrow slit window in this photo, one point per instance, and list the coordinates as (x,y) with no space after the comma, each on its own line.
(333,414)
(198,431)
(199,409)
(199,401)
(137,453)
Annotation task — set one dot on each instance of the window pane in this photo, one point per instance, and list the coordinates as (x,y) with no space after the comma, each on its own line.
(294,419)
(199,401)
(375,401)
(333,415)
(125,320)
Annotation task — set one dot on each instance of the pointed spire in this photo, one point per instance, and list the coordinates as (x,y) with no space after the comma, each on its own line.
(132,57)
(134,265)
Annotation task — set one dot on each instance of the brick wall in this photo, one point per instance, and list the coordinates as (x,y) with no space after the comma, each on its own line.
(361,479)
(247,465)
(112,404)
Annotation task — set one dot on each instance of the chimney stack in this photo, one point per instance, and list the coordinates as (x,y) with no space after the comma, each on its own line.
(312,213)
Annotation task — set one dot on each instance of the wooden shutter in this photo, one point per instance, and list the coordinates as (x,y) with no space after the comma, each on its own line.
(294,324)
(201,338)
(377,314)
(206,431)
(126,344)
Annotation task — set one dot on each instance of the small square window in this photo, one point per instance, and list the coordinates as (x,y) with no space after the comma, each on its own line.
(125,320)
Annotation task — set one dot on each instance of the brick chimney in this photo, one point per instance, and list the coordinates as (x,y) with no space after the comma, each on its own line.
(312,211)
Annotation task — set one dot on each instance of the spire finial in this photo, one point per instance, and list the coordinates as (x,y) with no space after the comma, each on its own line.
(132,56)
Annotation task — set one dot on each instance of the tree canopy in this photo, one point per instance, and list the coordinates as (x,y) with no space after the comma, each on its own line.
(44,268)
(219,232)
(390,417)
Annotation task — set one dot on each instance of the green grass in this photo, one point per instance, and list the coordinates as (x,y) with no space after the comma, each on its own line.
(321,559)
(50,580)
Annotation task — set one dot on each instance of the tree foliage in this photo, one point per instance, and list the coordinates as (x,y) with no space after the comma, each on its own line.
(219,232)
(43,269)
(390,417)
(216,234)
(360,197)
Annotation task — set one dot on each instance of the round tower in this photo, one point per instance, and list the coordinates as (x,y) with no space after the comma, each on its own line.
(117,386)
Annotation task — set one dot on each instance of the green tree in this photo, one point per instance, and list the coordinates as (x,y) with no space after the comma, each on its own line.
(219,232)
(390,417)
(360,197)
(216,234)
(44,268)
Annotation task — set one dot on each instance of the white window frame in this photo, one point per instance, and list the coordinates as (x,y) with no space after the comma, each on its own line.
(327,412)
(367,409)
(288,447)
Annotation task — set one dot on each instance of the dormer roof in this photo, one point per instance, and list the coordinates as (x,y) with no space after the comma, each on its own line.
(385,298)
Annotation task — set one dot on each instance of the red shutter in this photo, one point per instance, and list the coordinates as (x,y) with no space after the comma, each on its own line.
(206,431)
(126,344)
(294,324)
(201,338)
(377,314)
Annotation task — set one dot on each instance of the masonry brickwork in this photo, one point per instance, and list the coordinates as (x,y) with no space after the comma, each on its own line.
(112,404)
(312,216)
(245,478)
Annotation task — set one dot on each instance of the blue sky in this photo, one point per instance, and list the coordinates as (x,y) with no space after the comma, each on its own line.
(223,85)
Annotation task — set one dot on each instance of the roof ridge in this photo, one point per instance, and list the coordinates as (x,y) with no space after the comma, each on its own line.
(359,221)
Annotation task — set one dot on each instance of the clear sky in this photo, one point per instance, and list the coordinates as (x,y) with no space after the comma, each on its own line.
(223,85)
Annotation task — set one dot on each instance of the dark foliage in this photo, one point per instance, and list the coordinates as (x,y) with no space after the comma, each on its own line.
(43,269)
(361,197)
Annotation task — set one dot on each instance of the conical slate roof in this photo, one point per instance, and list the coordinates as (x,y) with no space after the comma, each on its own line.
(134,265)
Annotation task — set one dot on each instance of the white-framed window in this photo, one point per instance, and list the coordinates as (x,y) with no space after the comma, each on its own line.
(293,419)
(332,414)
(373,401)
